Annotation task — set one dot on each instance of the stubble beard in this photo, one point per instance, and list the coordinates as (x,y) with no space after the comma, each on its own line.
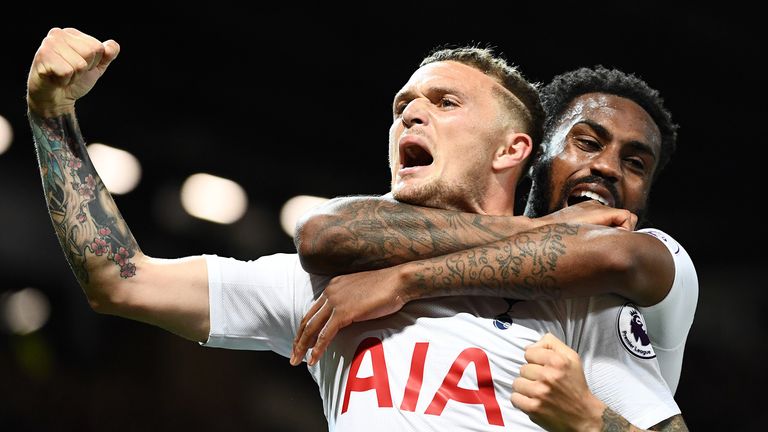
(439,194)
(541,195)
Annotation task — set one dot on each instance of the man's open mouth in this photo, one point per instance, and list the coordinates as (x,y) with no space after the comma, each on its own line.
(580,196)
(413,155)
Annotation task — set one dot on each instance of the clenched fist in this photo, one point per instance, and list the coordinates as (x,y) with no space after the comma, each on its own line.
(65,68)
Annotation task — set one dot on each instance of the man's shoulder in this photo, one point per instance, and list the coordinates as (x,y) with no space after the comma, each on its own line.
(276,260)
(671,244)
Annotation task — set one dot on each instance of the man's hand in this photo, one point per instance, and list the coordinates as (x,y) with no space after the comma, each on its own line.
(592,212)
(347,299)
(65,67)
(552,389)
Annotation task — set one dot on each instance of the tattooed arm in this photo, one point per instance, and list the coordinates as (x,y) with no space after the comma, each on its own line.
(351,234)
(357,233)
(607,420)
(115,275)
(599,419)
(553,391)
(548,263)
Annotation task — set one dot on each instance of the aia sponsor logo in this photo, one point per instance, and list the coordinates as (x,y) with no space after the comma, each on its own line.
(449,390)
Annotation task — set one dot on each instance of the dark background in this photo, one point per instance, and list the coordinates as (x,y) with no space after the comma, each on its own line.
(290,101)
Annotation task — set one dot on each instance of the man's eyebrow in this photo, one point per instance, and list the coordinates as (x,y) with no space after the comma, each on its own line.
(440,90)
(604,133)
(402,94)
(598,128)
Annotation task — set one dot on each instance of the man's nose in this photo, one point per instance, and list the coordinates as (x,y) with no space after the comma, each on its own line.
(416,113)
(607,164)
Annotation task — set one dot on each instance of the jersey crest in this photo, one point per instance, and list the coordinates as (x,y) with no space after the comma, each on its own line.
(632,332)
(504,321)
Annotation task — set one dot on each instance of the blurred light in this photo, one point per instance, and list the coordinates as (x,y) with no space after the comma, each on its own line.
(35,356)
(296,207)
(213,198)
(26,311)
(6,134)
(119,170)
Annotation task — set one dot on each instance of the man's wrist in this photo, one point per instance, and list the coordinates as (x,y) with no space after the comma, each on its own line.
(410,285)
(529,224)
(596,410)
(43,111)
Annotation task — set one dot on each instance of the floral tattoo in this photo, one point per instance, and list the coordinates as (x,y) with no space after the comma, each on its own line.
(85,218)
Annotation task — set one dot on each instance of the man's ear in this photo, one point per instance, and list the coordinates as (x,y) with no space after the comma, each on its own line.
(514,152)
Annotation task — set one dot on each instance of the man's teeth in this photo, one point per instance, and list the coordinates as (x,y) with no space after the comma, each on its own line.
(594,196)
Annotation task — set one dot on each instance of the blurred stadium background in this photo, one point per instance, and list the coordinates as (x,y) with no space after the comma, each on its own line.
(274,103)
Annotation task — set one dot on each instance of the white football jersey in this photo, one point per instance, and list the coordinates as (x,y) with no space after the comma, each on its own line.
(438,364)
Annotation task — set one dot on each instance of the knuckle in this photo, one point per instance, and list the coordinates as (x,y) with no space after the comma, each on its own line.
(81,65)
(557,362)
(555,376)
(516,384)
(534,405)
(542,392)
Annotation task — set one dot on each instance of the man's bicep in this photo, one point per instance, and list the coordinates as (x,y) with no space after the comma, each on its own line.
(334,237)
(587,260)
(169,293)
(652,270)
(598,260)
(257,305)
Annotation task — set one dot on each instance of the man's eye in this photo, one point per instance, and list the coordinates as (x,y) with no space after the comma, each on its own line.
(399,108)
(636,163)
(446,103)
(588,144)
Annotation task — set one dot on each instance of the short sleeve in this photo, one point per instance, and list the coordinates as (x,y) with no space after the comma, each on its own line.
(256,305)
(670,320)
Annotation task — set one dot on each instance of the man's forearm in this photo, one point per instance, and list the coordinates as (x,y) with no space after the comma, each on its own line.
(613,422)
(364,233)
(533,265)
(90,229)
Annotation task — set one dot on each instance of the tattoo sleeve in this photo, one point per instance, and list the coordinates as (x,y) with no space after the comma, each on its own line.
(672,424)
(613,422)
(366,233)
(524,266)
(90,229)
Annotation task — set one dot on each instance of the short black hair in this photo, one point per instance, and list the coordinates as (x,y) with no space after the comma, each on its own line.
(560,92)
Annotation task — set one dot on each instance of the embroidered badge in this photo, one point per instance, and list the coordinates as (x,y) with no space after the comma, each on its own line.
(503,322)
(632,332)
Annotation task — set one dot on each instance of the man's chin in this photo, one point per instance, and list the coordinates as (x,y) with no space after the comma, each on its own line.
(408,195)
(419,196)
